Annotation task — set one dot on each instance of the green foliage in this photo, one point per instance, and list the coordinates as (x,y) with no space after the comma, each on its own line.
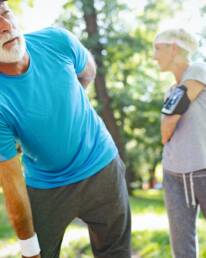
(80,249)
(149,201)
(146,244)
(151,244)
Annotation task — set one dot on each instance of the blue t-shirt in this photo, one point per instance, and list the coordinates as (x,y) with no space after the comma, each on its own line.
(47,110)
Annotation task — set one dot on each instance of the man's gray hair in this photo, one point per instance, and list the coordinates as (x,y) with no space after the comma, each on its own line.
(180,37)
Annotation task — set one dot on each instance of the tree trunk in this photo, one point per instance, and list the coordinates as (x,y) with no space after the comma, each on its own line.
(152,177)
(107,115)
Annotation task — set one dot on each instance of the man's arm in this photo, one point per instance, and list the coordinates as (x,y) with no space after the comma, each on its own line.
(169,123)
(89,73)
(16,198)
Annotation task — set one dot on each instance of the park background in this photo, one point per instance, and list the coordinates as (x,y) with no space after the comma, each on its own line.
(127,93)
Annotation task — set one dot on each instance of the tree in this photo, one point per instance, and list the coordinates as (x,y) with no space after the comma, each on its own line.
(128,90)
(90,16)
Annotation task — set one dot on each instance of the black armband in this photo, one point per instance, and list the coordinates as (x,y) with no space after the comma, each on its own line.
(177,103)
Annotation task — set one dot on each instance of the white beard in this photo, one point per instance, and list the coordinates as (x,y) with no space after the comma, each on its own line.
(16,52)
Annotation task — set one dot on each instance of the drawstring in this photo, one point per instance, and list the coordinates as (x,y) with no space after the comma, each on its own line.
(186,191)
(192,190)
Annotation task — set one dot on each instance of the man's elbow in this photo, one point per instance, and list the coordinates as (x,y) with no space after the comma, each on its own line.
(85,81)
(89,73)
(90,76)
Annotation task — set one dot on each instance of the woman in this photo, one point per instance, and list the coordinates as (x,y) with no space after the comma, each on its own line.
(183,130)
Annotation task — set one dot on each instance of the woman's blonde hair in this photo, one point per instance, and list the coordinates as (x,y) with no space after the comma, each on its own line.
(180,37)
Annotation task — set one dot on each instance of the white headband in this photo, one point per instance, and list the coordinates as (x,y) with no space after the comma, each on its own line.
(190,46)
(180,43)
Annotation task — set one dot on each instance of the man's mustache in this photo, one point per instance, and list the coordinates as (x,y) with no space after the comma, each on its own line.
(8,37)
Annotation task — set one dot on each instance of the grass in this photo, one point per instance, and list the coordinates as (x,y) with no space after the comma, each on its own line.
(147,202)
(150,238)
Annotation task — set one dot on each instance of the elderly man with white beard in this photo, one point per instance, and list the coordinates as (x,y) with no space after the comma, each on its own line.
(71,164)
(12,50)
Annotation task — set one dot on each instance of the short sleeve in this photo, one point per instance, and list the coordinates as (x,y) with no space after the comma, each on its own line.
(196,72)
(7,141)
(75,50)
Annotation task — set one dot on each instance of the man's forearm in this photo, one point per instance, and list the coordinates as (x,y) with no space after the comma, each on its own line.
(16,198)
(18,205)
(19,211)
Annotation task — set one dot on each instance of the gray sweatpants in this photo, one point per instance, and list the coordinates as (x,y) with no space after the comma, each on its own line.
(183,200)
(101,201)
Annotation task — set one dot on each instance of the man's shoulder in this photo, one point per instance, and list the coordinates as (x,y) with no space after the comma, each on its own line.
(54,37)
(50,32)
(45,32)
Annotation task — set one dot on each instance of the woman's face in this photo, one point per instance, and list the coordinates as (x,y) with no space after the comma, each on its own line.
(164,55)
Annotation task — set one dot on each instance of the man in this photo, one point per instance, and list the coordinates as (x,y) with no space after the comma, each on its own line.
(183,129)
(71,164)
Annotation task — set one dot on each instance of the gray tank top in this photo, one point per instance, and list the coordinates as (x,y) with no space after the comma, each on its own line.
(186,151)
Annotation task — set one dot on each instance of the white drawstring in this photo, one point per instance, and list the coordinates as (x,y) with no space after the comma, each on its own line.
(192,190)
(191,176)
(186,191)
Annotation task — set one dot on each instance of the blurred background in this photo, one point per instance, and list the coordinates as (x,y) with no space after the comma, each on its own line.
(128,94)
